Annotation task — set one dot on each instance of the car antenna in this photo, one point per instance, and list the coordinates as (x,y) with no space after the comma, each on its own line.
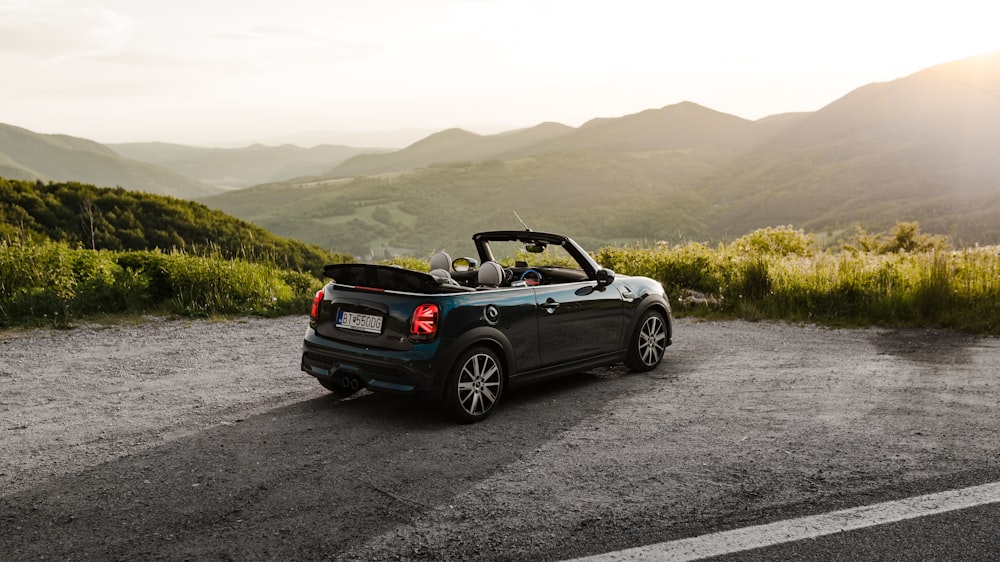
(521,221)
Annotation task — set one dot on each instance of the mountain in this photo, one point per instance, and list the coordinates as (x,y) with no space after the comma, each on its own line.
(450,146)
(232,168)
(32,156)
(921,147)
(918,148)
(608,181)
(389,139)
(682,126)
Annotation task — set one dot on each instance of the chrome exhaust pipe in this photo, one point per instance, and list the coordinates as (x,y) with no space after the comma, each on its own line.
(355,384)
(346,382)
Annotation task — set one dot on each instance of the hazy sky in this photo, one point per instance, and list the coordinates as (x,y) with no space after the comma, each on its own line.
(204,71)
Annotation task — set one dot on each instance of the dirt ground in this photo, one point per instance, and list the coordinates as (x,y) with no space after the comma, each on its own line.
(176,439)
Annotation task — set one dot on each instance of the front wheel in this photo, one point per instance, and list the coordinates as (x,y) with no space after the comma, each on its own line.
(475,385)
(648,343)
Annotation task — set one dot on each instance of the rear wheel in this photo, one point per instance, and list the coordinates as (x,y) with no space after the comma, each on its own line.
(648,343)
(475,385)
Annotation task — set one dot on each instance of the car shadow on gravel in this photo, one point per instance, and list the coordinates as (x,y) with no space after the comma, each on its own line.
(303,481)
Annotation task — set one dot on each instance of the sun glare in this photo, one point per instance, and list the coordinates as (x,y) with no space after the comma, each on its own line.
(124,73)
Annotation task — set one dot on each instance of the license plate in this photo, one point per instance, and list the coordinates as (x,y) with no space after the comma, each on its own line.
(361,322)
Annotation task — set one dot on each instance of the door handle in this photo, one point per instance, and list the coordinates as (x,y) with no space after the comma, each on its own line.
(550,305)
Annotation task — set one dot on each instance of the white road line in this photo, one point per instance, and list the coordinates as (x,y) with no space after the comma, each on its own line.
(739,540)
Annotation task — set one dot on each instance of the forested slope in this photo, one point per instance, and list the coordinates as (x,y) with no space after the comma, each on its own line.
(116,219)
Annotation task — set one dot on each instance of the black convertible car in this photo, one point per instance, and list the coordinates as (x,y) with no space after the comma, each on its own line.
(532,305)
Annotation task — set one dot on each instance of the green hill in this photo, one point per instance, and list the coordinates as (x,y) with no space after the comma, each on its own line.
(599,198)
(115,219)
(920,148)
(32,156)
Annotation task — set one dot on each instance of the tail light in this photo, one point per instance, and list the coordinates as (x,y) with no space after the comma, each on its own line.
(424,324)
(314,313)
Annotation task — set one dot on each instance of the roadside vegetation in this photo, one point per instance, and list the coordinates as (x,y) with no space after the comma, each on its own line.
(71,251)
(895,279)
(51,283)
(99,218)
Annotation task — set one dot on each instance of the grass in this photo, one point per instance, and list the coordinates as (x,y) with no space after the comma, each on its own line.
(51,283)
(934,288)
(769,274)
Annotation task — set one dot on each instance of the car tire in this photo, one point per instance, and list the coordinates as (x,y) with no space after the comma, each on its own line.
(649,342)
(475,385)
(339,390)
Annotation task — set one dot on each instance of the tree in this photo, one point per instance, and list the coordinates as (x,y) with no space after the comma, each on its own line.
(906,237)
(87,219)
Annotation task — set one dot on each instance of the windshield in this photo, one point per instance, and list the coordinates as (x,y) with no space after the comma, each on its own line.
(519,254)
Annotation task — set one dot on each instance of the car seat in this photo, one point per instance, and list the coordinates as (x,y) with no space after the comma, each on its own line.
(441,269)
(446,284)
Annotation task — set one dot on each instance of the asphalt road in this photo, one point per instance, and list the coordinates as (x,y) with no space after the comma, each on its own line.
(968,534)
(955,524)
(201,440)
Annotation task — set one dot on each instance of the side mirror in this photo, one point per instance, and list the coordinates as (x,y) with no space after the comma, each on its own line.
(464,264)
(604,277)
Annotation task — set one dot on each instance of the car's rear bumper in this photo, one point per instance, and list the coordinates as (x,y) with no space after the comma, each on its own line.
(414,371)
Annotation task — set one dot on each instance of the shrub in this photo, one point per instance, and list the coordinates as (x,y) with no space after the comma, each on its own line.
(778,241)
(205,286)
(904,237)
(767,275)
(409,263)
(52,283)
(757,277)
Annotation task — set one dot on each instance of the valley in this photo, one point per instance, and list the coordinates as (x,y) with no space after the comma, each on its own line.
(919,148)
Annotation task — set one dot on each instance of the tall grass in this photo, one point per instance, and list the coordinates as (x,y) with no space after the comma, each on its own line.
(53,283)
(955,289)
(770,275)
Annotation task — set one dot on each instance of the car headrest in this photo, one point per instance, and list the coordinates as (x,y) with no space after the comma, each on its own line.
(441,276)
(490,274)
(441,260)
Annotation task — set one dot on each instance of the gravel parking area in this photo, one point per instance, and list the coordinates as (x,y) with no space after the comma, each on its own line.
(173,439)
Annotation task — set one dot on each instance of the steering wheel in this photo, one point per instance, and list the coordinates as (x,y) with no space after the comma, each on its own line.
(508,275)
(531,277)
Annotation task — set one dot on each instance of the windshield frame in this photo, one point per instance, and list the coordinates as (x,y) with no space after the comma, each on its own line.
(527,237)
